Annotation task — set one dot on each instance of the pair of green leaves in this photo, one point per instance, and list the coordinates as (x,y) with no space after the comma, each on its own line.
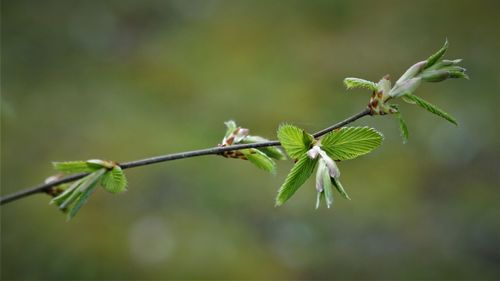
(262,157)
(342,144)
(106,173)
(434,69)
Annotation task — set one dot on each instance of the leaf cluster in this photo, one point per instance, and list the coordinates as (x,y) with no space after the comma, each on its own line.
(263,157)
(343,144)
(106,173)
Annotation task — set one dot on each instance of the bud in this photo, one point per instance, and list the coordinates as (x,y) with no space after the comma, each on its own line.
(320,184)
(406,87)
(101,163)
(412,71)
(333,170)
(313,152)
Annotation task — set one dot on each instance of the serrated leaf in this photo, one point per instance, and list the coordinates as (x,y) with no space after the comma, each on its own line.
(299,173)
(352,83)
(402,127)
(430,107)
(340,188)
(74,167)
(260,160)
(438,55)
(114,180)
(294,140)
(350,142)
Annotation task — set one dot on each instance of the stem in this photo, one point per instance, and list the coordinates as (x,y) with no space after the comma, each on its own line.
(170,157)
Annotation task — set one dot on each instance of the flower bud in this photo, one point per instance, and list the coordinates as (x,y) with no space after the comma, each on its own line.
(412,71)
(406,87)
(313,152)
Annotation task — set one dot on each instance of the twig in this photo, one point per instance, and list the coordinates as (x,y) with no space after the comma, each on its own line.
(170,157)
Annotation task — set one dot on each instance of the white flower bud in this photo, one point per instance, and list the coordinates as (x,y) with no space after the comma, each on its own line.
(313,152)
(412,71)
(406,87)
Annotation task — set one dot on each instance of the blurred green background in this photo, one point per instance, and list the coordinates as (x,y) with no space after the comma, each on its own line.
(125,80)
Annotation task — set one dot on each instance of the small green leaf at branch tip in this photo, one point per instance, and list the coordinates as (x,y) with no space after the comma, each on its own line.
(350,142)
(294,140)
(114,180)
(437,56)
(298,175)
(430,107)
(352,83)
(260,159)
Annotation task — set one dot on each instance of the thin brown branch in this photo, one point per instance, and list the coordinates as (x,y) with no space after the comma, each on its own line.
(46,187)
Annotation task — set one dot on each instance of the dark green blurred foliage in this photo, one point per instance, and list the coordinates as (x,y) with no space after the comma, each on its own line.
(123,80)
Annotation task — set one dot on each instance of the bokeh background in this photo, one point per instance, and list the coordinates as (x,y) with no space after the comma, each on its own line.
(125,80)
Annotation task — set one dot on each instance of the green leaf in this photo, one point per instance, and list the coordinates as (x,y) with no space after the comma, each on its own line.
(340,188)
(430,107)
(75,196)
(438,55)
(81,200)
(294,140)
(231,126)
(350,142)
(300,172)
(270,151)
(114,180)
(83,185)
(352,83)
(273,152)
(402,127)
(74,167)
(59,199)
(260,160)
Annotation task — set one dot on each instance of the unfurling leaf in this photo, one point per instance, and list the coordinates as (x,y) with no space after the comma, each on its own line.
(340,188)
(75,167)
(81,200)
(260,159)
(350,142)
(114,180)
(231,126)
(73,198)
(402,127)
(352,83)
(270,151)
(294,140)
(430,107)
(438,55)
(300,172)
